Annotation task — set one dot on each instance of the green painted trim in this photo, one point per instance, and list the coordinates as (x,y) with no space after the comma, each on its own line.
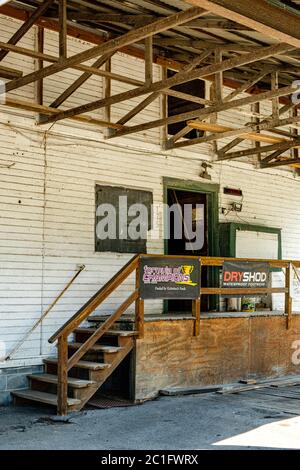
(212,191)
(231,229)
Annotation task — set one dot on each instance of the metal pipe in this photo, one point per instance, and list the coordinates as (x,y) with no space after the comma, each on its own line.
(19,344)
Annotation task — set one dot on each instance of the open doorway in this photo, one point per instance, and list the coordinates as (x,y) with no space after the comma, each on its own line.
(201,195)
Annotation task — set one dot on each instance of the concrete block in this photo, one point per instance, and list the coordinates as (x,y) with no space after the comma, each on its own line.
(17,382)
(5,398)
(2,383)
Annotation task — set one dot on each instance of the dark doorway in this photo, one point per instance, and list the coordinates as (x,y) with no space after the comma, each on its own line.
(181,246)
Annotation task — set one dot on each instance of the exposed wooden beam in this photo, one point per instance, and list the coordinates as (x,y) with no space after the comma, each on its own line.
(129,19)
(283,162)
(10,74)
(62,15)
(260,16)
(36,108)
(245,86)
(132,19)
(265,149)
(27,25)
(218,85)
(138,108)
(82,79)
(238,140)
(222,132)
(180,77)
(40,37)
(110,46)
(275,101)
(79,32)
(203,44)
(208,111)
(107,93)
(153,96)
(148,60)
(94,70)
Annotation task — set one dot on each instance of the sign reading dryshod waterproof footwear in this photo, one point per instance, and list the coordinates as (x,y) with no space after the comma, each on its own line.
(243,274)
(167,278)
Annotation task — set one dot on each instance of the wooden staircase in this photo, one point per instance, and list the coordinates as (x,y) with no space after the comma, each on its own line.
(86,361)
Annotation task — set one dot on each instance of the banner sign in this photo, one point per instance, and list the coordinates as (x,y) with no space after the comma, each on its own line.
(167,278)
(243,274)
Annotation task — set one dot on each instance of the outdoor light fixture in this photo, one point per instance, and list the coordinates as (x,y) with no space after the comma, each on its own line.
(204,173)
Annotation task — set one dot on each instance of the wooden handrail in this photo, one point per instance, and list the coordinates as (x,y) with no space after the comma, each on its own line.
(101,330)
(97,299)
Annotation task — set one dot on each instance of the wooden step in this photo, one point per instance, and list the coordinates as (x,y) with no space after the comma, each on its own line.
(53,379)
(82,364)
(103,318)
(42,397)
(97,348)
(108,333)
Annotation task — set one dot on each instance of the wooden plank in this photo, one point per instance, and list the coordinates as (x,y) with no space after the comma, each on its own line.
(139,306)
(245,86)
(83,364)
(82,79)
(185,76)
(196,315)
(222,132)
(266,148)
(107,94)
(27,106)
(53,379)
(9,73)
(27,25)
(288,296)
(284,91)
(62,15)
(148,60)
(275,101)
(264,17)
(43,397)
(237,291)
(110,46)
(62,374)
(40,37)
(93,70)
(180,391)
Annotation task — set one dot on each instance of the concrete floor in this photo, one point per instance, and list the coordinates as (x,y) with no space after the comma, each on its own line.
(209,421)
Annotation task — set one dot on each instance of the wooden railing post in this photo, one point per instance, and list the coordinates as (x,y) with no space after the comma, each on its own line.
(62,372)
(196,315)
(139,304)
(288,296)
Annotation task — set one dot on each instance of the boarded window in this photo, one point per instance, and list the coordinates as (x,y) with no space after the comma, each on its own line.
(178,106)
(121,200)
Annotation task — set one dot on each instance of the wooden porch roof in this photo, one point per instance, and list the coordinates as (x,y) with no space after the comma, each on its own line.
(253,50)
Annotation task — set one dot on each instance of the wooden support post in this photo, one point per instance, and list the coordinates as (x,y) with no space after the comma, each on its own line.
(40,62)
(275,101)
(164,112)
(149,60)
(288,296)
(196,314)
(62,29)
(218,77)
(256,110)
(107,94)
(139,306)
(62,372)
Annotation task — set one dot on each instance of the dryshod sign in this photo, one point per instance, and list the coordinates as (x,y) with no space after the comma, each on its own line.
(243,274)
(167,278)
